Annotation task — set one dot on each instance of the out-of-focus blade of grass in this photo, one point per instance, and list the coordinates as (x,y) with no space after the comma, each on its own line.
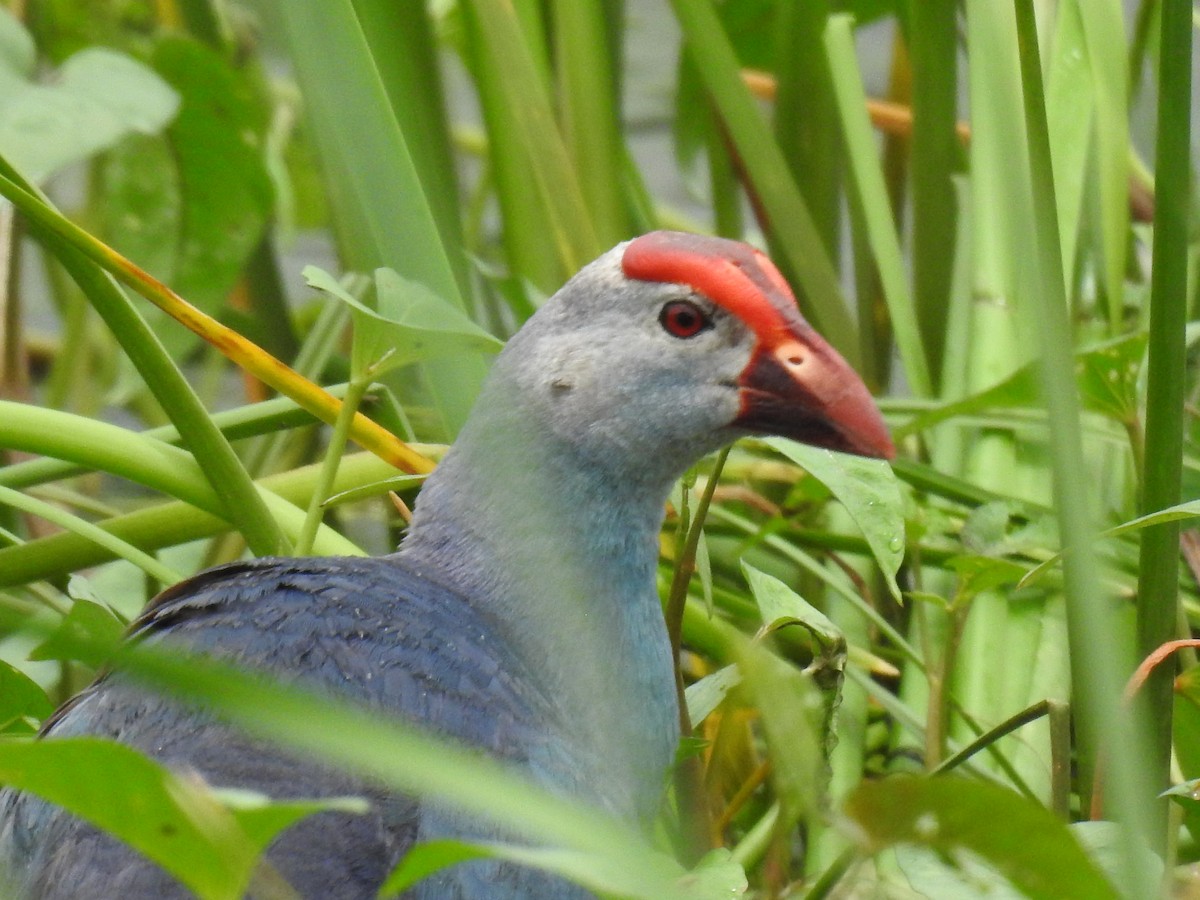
(805,121)
(1157,600)
(788,219)
(381,209)
(404,50)
(221,465)
(1104,35)
(87,250)
(548,234)
(871,195)
(177,523)
(143,460)
(589,109)
(1099,656)
(936,154)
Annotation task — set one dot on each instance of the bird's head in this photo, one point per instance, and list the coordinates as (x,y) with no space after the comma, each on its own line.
(673,344)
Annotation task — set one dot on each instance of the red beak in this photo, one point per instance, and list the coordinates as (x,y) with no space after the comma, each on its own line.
(801,388)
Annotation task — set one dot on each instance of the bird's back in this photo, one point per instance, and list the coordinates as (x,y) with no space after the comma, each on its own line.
(370,630)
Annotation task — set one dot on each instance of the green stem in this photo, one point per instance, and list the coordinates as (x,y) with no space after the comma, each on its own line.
(329,467)
(1157,603)
(936,155)
(694,813)
(1099,660)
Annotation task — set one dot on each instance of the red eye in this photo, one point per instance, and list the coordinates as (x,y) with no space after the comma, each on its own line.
(683,319)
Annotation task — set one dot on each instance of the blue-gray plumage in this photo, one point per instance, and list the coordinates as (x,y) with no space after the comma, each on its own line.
(520,615)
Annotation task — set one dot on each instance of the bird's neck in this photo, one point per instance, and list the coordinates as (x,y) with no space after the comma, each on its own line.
(563,551)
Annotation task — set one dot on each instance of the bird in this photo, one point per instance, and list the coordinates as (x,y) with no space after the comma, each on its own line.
(519,616)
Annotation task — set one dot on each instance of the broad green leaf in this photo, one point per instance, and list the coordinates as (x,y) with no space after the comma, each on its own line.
(97,97)
(21,698)
(781,606)
(868,490)
(177,822)
(428,858)
(1107,376)
(262,817)
(85,622)
(705,695)
(1108,846)
(410,324)
(985,527)
(1034,850)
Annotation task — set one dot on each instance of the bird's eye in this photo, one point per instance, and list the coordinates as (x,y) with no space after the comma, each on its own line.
(682,319)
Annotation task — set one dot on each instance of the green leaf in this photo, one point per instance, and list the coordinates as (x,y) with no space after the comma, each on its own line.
(428,858)
(705,695)
(20,699)
(1108,846)
(410,324)
(781,606)
(870,493)
(96,98)
(86,623)
(177,822)
(1034,850)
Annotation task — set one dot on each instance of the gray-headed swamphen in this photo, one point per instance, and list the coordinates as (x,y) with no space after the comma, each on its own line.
(520,614)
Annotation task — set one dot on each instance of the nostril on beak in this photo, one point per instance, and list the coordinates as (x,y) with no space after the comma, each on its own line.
(791,354)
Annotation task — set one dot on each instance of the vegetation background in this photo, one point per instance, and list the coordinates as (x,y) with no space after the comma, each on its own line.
(1007,257)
